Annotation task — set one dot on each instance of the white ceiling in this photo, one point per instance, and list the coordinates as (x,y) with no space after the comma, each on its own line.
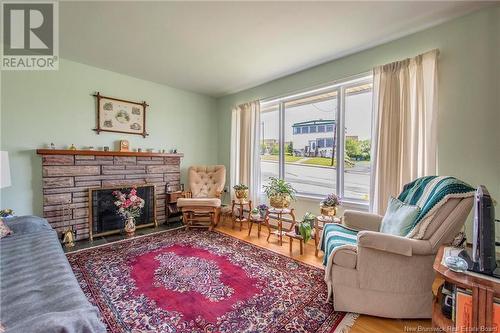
(216,48)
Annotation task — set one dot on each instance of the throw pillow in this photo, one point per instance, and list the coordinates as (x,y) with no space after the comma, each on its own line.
(4,229)
(399,218)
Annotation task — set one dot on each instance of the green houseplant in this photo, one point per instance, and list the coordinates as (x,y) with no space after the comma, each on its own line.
(279,192)
(304,227)
(241,191)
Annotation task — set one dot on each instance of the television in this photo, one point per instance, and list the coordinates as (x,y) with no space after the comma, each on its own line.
(483,258)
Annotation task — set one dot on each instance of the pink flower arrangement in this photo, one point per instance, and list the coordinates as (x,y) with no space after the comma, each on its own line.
(129,205)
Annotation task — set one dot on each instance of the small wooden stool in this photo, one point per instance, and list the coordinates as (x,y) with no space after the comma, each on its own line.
(259,223)
(292,235)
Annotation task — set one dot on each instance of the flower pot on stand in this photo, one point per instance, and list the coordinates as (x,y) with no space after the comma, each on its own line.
(280,201)
(241,195)
(129,226)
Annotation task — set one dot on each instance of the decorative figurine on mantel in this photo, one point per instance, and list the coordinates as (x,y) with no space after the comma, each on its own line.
(52,146)
(72,147)
(124,145)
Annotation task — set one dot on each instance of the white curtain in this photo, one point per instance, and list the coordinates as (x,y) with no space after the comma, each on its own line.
(245,156)
(404,126)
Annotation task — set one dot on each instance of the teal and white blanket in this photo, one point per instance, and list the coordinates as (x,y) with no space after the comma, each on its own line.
(429,193)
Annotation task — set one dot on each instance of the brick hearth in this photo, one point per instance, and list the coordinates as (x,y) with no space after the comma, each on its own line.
(67,176)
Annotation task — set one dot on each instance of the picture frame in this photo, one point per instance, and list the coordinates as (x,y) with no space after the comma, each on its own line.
(120,115)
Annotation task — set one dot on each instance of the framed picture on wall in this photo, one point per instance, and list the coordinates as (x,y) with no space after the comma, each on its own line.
(120,116)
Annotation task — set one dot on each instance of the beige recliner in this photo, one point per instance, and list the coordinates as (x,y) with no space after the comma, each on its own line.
(391,276)
(201,205)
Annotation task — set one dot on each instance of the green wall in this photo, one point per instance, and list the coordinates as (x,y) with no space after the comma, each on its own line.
(469,90)
(40,107)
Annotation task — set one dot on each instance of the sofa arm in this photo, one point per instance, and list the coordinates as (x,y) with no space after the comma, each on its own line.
(394,244)
(362,221)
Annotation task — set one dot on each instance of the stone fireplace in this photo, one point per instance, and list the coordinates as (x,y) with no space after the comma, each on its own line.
(67,176)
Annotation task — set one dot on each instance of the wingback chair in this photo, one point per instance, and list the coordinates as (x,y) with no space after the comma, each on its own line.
(392,276)
(201,205)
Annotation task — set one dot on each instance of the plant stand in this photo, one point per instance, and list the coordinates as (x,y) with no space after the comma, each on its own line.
(292,235)
(277,214)
(239,216)
(259,223)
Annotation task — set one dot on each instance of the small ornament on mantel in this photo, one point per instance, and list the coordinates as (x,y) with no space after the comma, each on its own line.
(52,146)
(72,147)
(124,145)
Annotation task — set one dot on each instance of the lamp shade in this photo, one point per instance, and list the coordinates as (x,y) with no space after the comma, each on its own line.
(4,169)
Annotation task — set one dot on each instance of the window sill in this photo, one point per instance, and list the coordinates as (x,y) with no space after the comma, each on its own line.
(346,204)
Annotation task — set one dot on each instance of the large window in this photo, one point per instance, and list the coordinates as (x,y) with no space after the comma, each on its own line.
(320,140)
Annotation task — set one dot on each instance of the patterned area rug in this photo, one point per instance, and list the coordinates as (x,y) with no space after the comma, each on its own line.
(200,281)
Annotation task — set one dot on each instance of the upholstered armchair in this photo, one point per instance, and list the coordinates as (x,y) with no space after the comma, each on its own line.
(391,276)
(200,206)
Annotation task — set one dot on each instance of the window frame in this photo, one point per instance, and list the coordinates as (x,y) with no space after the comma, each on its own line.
(340,88)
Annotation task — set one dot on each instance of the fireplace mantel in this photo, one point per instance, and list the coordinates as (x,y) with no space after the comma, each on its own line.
(103,153)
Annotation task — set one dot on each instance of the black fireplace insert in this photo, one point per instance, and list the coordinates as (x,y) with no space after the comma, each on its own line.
(104,218)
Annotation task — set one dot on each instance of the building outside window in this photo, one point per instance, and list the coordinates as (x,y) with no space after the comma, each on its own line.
(304,135)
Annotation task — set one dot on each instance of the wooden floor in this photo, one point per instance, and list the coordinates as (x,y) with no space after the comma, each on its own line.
(364,324)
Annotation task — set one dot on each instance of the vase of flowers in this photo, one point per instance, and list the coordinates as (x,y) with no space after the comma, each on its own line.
(129,207)
(241,192)
(329,205)
(262,210)
(279,192)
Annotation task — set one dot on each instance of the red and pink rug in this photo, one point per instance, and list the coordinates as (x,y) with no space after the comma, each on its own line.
(199,281)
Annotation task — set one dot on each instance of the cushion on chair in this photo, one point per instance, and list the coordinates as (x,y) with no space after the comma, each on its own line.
(399,218)
(206,181)
(198,202)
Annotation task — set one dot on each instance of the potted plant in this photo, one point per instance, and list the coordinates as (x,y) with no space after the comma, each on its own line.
(262,210)
(329,205)
(304,227)
(279,192)
(241,191)
(255,214)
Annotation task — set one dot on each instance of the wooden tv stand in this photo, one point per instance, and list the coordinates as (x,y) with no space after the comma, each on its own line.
(484,289)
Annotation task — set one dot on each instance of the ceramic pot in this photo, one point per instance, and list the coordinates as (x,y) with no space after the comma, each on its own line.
(255,216)
(129,226)
(329,211)
(241,194)
(280,201)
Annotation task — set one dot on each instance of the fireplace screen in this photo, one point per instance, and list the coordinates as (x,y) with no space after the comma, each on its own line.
(104,218)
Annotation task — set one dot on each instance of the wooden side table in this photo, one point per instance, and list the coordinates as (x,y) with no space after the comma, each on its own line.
(239,216)
(292,235)
(259,222)
(171,209)
(319,224)
(277,214)
(484,290)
